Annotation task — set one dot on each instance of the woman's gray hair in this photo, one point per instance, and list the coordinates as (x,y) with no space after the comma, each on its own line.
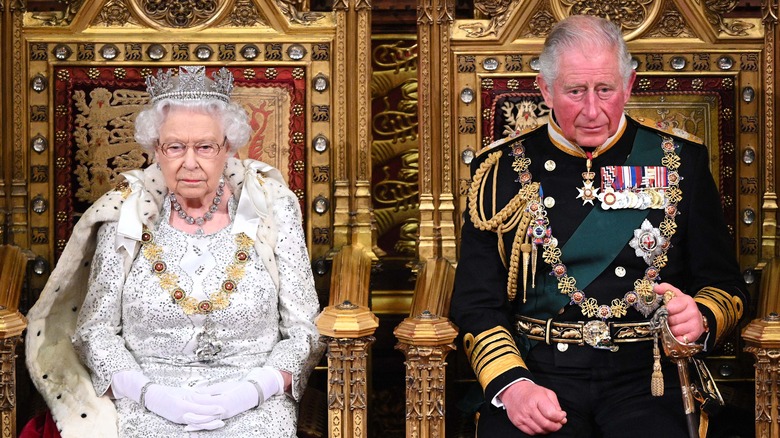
(579,32)
(234,120)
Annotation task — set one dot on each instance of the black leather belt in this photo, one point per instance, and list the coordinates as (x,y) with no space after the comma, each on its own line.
(597,333)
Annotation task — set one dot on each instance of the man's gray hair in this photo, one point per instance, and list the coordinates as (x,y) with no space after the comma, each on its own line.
(580,32)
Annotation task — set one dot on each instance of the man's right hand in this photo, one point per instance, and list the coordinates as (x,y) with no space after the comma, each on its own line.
(533,409)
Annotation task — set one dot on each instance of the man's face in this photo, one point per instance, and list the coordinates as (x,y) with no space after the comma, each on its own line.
(588,95)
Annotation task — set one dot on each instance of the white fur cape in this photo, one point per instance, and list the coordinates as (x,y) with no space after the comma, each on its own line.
(51,360)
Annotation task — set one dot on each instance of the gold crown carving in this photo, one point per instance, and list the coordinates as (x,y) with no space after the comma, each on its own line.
(190,84)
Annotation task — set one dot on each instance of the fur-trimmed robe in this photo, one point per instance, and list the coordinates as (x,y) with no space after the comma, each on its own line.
(53,364)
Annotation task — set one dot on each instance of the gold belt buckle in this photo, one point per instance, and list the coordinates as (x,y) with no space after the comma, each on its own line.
(596,334)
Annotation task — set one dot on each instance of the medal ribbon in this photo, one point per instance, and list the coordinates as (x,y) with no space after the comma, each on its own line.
(603,234)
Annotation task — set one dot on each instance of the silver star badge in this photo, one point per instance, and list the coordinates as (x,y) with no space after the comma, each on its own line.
(647,242)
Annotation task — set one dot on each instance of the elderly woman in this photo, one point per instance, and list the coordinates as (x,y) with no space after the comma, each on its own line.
(198,318)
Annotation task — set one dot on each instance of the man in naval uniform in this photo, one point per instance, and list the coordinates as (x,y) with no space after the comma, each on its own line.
(574,233)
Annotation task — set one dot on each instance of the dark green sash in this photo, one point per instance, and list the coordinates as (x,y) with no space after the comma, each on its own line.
(600,237)
(604,233)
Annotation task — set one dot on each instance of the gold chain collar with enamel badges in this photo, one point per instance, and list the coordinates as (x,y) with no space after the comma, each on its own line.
(642,297)
(169,281)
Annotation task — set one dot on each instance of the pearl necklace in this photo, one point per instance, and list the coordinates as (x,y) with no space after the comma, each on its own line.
(206,217)
(642,297)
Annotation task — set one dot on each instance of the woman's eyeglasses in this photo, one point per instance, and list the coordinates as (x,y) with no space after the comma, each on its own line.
(204,149)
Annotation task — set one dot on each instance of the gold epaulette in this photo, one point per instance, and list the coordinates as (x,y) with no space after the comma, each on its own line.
(666,129)
(492,353)
(506,139)
(726,308)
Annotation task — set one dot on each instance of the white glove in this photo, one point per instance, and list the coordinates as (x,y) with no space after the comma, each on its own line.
(184,406)
(237,397)
(128,384)
(179,405)
(269,380)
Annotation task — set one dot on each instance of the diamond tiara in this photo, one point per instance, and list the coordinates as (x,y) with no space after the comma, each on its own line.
(190,84)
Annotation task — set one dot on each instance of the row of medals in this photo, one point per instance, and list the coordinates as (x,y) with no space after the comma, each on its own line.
(609,198)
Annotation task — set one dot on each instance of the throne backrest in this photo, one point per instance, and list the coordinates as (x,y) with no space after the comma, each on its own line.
(82,78)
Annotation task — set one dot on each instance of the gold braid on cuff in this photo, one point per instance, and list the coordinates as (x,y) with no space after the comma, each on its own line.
(726,308)
(492,353)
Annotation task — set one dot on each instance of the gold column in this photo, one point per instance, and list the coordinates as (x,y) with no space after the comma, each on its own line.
(437,206)
(12,176)
(13,266)
(352,137)
(769,247)
(762,339)
(425,338)
(762,336)
(348,327)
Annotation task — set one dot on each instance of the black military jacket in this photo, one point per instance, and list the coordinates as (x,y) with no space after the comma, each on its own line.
(701,260)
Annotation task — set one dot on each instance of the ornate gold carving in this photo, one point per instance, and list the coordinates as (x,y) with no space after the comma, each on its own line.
(342,196)
(467,63)
(180,14)
(363,93)
(292,9)
(8,373)
(16,57)
(347,394)
(425,339)
(446,207)
(497,11)
(103,134)
(762,339)
(320,113)
(348,326)
(340,5)
(633,17)
(769,222)
(425,14)
(671,24)
(245,14)
(60,18)
(39,51)
(770,9)
(425,389)
(716,9)
(39,113)
(86,52)
(541,23)
(114,13)
(321,236)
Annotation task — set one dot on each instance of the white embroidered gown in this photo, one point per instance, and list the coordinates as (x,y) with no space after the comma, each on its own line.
(135,324)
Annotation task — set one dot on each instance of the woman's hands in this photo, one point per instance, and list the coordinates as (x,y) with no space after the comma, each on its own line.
(184,406)
(236,397)
(178,405)
(202,408)
(233,397)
